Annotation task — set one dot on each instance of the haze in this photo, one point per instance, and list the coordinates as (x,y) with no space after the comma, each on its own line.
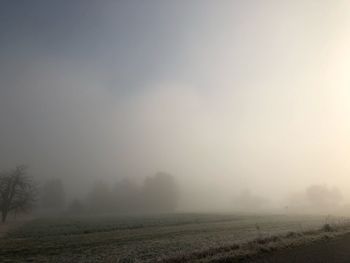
(235,99)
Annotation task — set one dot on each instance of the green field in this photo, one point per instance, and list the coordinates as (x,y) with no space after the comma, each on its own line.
(139,239)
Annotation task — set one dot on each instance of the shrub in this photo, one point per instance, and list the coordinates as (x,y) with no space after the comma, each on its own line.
(327,228)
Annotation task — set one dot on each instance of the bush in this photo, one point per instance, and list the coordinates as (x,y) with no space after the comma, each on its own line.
(327,228)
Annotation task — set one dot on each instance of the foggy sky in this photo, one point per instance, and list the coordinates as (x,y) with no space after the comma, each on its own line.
(224,95)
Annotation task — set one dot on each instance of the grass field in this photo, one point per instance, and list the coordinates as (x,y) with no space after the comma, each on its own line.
(139,239)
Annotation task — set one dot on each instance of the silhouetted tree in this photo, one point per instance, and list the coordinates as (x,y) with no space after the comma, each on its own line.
(246,201)
(316,199)
(126,196)
(17,191)
(160,193)
(100,199)
(76,207)
(323,197)
(52,195)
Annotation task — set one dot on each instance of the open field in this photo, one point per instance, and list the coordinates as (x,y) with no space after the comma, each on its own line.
(140,239)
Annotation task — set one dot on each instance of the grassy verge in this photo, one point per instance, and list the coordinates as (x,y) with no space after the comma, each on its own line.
(261,245)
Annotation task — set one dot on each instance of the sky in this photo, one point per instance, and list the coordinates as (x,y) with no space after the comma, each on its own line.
(227,96)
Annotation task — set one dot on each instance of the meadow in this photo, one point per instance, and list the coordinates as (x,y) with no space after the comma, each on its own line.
(111,238)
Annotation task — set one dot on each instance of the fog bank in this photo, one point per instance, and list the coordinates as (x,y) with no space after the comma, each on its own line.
(239,101)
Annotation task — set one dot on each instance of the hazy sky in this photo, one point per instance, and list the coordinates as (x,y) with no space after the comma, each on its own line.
(226,95)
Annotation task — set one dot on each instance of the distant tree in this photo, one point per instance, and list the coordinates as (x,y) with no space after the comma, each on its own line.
(323,197)
(100,198)
(76,207)
(160,193)
(52,195)
(126,196)
(246,201)
(17,192)
(316,199)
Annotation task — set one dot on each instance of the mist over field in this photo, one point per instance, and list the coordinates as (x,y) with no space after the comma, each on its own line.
(235,106)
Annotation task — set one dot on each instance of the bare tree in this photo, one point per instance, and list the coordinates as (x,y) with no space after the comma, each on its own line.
(17,191)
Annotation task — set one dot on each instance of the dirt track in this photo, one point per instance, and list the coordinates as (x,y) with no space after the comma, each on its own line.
(335,250)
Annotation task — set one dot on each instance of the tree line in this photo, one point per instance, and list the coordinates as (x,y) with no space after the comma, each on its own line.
(19,193)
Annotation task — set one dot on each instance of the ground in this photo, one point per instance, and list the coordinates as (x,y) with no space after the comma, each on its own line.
(168,238)
(335,250)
